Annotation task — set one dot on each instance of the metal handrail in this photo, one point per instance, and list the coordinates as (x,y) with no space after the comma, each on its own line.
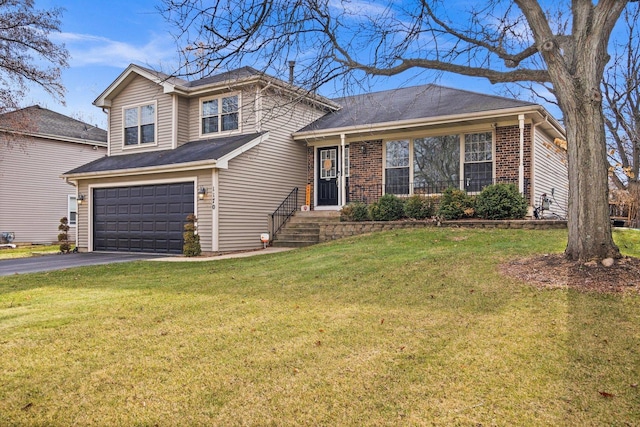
(285,211)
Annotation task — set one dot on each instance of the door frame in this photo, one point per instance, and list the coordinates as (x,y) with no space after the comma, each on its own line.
(316,176)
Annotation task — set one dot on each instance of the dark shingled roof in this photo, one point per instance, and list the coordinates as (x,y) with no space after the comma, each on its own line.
(208,149)
(417,102)
(41,121)
(233,75)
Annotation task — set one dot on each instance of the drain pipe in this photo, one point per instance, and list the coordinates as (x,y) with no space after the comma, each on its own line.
(343,179)
(521,165)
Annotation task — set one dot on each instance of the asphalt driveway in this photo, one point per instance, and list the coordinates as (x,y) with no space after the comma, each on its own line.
(60,262)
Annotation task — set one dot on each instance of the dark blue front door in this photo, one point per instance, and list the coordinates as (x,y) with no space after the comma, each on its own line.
(328,176)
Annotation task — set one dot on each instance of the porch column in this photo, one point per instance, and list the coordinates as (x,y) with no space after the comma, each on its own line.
(521,165)
(343,179)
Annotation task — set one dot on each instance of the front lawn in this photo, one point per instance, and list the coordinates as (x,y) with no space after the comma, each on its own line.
(411,327)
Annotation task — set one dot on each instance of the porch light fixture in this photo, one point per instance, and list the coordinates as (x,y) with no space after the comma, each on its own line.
(363,149)
(80,199)
(201,193)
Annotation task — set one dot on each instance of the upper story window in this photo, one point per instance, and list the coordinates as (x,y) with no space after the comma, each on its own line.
(220,114)
(140,125)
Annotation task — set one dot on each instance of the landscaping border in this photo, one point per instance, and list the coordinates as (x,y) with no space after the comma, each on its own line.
(338,230)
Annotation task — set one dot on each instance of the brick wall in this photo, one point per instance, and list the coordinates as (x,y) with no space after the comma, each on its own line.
(365,172)
(508,155)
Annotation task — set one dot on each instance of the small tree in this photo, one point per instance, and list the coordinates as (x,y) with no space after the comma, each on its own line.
(63,236)
(191,246)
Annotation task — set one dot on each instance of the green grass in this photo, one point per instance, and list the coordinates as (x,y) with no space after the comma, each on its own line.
(396,328)
(29,251)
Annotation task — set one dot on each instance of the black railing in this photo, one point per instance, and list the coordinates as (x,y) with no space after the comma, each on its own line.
(370,193)
(286,209)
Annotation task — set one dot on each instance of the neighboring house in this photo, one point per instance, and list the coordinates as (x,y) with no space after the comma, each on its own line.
(230,148)
(36,146)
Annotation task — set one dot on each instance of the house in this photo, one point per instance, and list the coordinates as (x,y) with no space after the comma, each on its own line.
(231,148)
(36,146)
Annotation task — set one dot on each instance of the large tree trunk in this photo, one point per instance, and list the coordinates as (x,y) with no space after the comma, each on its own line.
(588,217)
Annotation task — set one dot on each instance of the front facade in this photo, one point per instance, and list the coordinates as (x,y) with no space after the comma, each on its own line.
(36,146)
(426,139)
(230,148)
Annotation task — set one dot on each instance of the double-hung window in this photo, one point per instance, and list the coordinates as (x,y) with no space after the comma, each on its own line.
(140,125)
(220,114)
(431,164)
(72,209)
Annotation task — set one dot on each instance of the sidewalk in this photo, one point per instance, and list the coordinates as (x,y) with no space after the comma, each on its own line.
(244,254)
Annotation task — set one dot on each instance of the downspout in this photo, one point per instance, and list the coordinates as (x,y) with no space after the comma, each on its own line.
(343,179)
(521,165)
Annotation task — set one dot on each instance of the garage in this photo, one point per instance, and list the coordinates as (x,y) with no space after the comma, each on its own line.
(144,218)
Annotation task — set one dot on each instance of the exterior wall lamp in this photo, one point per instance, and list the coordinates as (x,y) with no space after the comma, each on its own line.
(80,199)
(201,193)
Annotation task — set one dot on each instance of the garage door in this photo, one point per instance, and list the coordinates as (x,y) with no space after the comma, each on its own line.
(146,218)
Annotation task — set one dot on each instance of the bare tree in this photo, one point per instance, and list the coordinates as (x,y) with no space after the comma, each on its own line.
(27,54)
(621,89)
(563,48)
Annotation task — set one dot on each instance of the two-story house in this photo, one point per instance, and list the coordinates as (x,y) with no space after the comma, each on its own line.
(231,147)
(36,146)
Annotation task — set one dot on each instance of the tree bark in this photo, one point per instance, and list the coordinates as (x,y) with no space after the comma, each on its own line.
(588,216)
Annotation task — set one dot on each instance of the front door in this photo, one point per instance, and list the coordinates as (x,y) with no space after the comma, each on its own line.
(328,176)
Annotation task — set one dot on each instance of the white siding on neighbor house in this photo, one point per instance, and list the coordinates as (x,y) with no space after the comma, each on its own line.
(34,197)
(141,91)
(549,173)
(259,180)
(200,178)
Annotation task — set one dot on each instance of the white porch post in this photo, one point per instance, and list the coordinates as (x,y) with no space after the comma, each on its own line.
(343,179)
(521,165)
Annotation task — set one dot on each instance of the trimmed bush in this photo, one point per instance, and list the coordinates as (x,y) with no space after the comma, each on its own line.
(388,208)
(418,207)
(501,201)
(455,204)
(191,246)
(356,211)
(63,236)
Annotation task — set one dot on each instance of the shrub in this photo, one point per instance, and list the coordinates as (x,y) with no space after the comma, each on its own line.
(455,204)
(501,201)
(418,207)
(63,236)
(191,246)
(355,211)
(388,208)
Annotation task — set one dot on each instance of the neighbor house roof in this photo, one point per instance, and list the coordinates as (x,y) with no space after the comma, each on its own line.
(197,154)
(416,105)
(42,122)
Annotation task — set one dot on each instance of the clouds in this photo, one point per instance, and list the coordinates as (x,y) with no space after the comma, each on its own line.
(90,50)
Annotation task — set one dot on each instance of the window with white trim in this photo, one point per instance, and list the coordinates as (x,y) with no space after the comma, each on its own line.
(219,115)
(72,210)
(140,125)
(432,164)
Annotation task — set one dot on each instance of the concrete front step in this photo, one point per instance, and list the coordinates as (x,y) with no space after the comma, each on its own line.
(288,236)
(303,228)
(291,244)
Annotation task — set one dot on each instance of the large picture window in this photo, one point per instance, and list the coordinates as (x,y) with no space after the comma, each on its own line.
(431,164)
(220,114)
(140,125)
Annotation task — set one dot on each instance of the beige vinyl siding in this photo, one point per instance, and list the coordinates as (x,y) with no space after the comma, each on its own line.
(550,172)
(203,207)
(34,197)
(138,92)
(259,180)
(183,120)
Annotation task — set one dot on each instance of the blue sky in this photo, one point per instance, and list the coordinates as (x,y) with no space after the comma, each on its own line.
(104,37)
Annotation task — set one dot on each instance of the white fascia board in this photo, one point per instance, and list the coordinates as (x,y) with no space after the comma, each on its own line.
(223,162)
(203,164)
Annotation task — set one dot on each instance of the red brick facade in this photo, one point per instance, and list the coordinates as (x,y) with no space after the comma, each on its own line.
(366,168)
